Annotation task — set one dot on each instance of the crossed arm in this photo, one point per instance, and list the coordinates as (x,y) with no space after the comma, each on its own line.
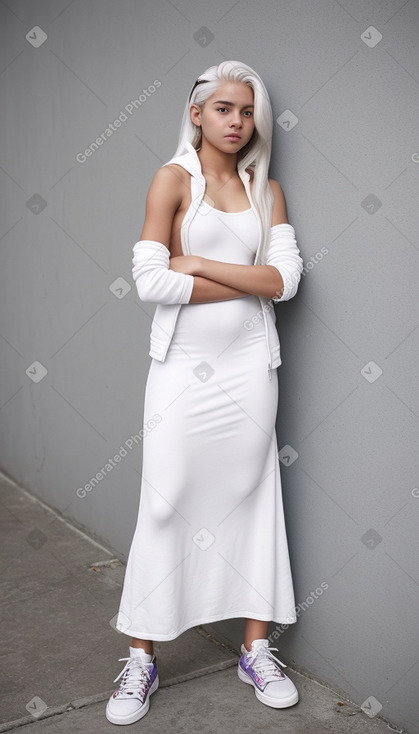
(213,280)
(217,281)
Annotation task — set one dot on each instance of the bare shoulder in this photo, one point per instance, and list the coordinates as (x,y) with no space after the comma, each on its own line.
(166,188)
(169,177)
(163,199)
(279,212)
(176,171)
(276,189)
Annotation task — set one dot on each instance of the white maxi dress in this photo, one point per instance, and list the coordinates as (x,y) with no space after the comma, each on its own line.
(210,541)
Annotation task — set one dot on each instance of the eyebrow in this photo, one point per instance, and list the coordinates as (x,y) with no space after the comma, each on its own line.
(223,101)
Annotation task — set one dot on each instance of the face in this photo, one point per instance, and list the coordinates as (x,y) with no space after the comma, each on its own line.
(227,119)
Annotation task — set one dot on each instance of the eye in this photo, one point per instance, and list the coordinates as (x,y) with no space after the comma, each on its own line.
(248,112)
(221,108)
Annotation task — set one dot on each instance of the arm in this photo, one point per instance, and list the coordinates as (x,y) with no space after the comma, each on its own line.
(277,279)
(156,282)
(207,291)
(257,280)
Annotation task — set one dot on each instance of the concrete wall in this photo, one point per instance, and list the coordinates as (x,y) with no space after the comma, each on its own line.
(74,336)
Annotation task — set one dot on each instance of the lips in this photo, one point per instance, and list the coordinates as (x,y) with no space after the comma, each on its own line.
(233,137)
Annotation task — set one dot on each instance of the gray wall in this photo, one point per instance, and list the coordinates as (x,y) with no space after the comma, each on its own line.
(348,404)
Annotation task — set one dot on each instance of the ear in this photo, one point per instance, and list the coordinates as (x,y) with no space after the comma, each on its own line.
(195,115)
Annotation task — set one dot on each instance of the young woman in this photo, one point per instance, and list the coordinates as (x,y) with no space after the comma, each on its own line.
(215,253)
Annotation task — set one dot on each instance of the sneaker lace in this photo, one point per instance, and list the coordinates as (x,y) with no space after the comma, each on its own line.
(266,664)
(135,675)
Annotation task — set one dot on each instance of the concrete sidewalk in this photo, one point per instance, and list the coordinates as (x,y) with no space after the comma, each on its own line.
(60,591)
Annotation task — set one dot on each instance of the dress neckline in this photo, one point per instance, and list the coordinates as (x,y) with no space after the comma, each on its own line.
(220,211)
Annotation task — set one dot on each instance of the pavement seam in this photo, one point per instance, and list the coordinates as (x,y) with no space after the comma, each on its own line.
(59,516)
(79,703)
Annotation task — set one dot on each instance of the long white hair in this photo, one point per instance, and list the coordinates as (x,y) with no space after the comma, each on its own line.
(257,152)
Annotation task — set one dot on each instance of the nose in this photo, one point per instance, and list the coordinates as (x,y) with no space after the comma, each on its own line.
(235,119)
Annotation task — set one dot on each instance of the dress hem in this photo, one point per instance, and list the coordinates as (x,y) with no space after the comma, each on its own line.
(156,637)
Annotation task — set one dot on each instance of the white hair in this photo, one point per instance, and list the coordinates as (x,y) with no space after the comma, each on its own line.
(257,152)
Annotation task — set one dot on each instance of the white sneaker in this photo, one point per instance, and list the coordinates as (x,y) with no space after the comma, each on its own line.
(261,669)
(139,679)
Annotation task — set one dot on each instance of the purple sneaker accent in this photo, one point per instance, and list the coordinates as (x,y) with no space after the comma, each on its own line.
(247,662)
(130,702)
(258,667)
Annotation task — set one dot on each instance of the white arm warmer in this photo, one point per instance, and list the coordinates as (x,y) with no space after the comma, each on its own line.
(155,282)
(284,255)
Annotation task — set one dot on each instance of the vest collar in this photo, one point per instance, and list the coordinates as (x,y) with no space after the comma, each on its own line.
(190,160)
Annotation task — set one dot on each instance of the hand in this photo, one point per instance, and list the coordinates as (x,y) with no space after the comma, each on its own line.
(187,264)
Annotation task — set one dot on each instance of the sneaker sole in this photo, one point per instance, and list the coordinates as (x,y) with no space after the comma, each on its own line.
(267,700)
(136,715)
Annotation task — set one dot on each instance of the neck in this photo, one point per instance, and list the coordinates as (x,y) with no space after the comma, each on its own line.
(215,162)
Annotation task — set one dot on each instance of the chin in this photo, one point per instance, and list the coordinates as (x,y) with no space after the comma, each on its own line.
(237,145)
